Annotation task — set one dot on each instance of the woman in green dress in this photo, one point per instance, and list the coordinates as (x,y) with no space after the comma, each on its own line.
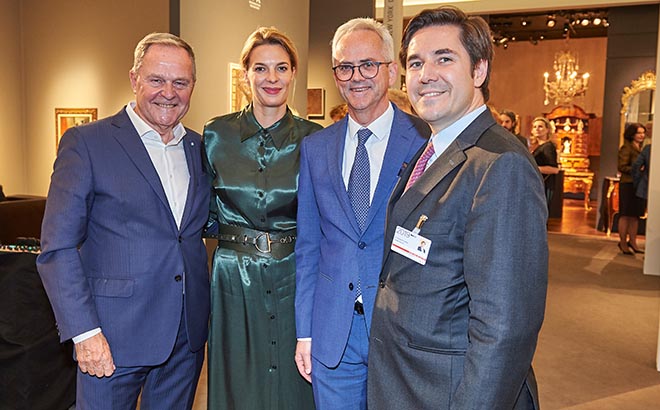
(253,158)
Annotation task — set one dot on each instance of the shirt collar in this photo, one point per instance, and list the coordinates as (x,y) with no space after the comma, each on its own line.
(279,132)
(380,127)
(145,131)
(445,137)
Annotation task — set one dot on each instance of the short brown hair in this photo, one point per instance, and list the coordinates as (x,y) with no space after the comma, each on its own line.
(474,34)
(631,129)
(268,36)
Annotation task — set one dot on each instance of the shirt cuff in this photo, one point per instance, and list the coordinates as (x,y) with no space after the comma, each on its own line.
(304,339)
(86,335)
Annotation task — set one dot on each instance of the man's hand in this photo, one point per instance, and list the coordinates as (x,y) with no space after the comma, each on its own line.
(304,359)
(94,356)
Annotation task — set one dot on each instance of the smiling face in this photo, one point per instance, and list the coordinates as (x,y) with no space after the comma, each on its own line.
(639,135)
(269,74)
(441,83)
(163,86)
(366,98)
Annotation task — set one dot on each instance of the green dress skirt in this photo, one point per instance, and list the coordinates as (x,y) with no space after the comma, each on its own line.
(252,336)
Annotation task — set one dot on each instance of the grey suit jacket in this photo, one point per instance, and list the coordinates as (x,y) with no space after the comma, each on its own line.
(460,332)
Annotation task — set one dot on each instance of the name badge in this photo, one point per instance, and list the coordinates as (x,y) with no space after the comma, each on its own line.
(411,245)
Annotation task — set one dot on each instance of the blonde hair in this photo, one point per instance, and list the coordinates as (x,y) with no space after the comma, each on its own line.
(268,36)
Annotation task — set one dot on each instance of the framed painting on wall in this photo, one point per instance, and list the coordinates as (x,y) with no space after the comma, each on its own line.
(66,118)
(316,103)
(239,95)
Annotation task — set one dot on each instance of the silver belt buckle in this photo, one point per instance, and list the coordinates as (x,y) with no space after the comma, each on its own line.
(268,242)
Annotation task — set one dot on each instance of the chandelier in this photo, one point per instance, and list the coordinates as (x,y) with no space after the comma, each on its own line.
(568,84)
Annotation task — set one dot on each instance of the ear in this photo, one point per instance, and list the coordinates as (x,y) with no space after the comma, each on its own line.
(133,77)
(393,69)
(480,72)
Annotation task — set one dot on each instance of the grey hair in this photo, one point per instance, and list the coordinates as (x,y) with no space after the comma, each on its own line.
(165,39)
(368,24)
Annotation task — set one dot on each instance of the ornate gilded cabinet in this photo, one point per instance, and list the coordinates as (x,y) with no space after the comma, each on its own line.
(571,125)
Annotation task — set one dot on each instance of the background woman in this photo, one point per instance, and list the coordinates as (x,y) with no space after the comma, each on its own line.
(253,158)
(544,152)
(631,207)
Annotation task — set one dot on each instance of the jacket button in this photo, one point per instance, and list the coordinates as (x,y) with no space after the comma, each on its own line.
(177,278)
(362,245)
(381,284)
(180,239)
(350,286)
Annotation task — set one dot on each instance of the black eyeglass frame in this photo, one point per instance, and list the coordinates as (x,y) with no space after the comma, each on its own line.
(359,67)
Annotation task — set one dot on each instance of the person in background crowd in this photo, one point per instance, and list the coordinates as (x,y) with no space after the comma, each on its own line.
(338,112)
(400,99)
(253,158)
(123,261)
(509,120)
(347,172)
(631,207)
(448,330)
(544,152)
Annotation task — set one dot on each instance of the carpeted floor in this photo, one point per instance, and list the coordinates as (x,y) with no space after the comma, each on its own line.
(597,347)
(598,344)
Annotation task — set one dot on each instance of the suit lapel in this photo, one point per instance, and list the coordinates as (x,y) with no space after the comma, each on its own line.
(130,141)
(403,204)
(193,164)
(335,160)
(398,146)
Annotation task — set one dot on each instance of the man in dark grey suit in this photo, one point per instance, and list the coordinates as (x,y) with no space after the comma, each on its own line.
(456,328)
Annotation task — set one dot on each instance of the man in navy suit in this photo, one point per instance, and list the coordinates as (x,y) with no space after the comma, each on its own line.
(347,173)
(123,261)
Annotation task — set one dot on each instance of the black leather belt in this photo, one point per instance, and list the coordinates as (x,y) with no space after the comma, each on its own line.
(359,308)
(276,245)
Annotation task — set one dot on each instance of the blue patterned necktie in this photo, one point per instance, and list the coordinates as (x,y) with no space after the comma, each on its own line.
(359,183)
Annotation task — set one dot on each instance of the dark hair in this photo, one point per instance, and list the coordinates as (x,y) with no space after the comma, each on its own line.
(631,130)
(511,115)
(474,32)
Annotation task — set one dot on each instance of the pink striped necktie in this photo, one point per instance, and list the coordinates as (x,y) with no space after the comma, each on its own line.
(420,166)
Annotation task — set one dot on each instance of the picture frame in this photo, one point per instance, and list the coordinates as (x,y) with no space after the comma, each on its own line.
(239,92)
(316,103)
(66,118)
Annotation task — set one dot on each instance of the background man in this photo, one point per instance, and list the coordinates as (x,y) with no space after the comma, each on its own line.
(458,330)
(123,262)
(509,120)
(347,172)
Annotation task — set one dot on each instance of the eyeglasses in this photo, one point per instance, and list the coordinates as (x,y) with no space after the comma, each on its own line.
(368,70)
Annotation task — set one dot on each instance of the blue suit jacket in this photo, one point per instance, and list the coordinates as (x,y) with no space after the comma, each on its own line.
(330,249)
(112,255)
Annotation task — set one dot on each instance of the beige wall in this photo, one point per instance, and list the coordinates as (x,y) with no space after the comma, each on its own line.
(217,30)
(517,75)
(75,54)
(12,144)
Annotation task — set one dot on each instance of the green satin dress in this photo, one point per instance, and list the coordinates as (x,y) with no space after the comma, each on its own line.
(252,335)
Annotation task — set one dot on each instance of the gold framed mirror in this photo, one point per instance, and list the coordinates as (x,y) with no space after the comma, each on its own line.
(637,103)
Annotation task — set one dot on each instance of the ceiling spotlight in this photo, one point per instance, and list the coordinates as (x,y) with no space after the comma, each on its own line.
(584,22)
(541,37)
(597,21)
(524,22)
(565,28)
(503,40)
(551,21)
(605,23)
(506,45)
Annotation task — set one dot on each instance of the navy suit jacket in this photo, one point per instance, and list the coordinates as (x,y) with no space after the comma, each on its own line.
(330,249)
(459,332)
(112,255)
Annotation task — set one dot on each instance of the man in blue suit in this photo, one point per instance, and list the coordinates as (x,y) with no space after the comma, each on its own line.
(122,261)
(347,172)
